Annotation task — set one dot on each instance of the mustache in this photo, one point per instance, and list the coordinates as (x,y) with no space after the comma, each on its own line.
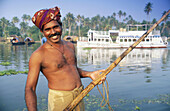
(57,33)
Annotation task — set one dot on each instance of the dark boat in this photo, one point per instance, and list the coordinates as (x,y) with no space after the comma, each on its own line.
(29,41)
(17,41)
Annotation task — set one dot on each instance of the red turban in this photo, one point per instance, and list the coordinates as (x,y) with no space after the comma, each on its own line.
(44,16)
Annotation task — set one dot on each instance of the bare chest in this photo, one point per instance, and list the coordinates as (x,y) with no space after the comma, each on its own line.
(55,60)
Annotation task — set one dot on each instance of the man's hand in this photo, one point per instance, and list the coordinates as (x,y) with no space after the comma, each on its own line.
(95,74)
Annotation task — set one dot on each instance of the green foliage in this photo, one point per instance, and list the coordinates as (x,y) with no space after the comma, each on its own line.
(137,108)
(5,63)
(78,26)
(92,103)
(12,72)
(87,48)
(34,33)
(1,31)
(14,31)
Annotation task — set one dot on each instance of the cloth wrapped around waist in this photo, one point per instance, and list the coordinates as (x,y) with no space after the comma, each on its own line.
(59,100)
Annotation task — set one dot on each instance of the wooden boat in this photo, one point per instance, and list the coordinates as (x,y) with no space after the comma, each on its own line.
(72,39)
(29,41)
(17,41)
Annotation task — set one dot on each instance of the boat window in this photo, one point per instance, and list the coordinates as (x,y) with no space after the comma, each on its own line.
(147,40)
(143,40)
(107,40)
(134,40)
(102,39)
(125,40)
(98,39)
(94,39)
(129,40)
(121,40)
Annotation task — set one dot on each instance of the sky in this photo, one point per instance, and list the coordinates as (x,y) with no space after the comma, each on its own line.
(88,8)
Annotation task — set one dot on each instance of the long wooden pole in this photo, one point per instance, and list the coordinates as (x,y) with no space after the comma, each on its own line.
(74,103)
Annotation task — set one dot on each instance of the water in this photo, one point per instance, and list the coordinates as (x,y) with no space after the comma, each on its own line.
(140,81)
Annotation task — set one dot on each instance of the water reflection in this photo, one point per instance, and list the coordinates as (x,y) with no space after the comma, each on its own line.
(140,57)
(137,61)
(17,55)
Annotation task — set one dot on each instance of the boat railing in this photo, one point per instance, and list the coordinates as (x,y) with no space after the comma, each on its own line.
(85,39)
(156,32)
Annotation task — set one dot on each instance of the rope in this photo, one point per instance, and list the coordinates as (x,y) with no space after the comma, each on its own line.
(105,89)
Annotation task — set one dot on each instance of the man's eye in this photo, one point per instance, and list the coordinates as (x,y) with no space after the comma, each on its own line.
(47,29)
(55,27)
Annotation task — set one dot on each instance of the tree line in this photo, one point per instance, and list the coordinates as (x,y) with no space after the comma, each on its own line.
(79,25)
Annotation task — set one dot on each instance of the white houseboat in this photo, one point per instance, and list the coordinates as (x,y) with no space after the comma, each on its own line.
(122,38)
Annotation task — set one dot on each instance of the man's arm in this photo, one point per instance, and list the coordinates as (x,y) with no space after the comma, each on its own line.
(32,79)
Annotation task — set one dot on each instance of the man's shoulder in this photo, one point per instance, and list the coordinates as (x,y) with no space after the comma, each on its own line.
(38,52)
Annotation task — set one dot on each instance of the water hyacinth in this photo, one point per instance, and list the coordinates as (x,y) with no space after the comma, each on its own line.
(5,63)
(12,72)
(92,103)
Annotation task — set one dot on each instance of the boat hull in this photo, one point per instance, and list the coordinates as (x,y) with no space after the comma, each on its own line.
(18,43)
(82,44)
(29,43)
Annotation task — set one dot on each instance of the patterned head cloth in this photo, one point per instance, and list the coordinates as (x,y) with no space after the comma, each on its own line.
(44,16)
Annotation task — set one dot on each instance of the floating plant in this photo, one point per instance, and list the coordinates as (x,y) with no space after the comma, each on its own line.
(5,63)
(12,72)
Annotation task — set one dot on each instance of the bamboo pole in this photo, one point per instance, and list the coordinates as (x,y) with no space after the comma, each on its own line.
(74,103)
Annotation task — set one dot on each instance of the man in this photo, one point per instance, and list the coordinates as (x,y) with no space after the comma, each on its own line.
(56,60)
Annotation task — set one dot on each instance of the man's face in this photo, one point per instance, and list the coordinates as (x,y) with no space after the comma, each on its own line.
(52,31)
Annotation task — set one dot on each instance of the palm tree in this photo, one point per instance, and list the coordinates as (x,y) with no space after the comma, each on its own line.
(86,22)
(148,9)
(109,20)
(165,19)
(102,25)
(120,14)
(98,21)
(15,20)
(64,23)
(26,18)
(94,22)
(23,28)
(114,14)
(4,24)
(82,20)
(154,21)
(79,23)
(130,20)
(114,20)
(70,20)
(124,15)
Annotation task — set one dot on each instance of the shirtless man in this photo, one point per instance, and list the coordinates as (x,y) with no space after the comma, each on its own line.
(56,60)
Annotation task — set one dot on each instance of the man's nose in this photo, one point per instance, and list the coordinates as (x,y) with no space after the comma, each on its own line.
(53,31)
